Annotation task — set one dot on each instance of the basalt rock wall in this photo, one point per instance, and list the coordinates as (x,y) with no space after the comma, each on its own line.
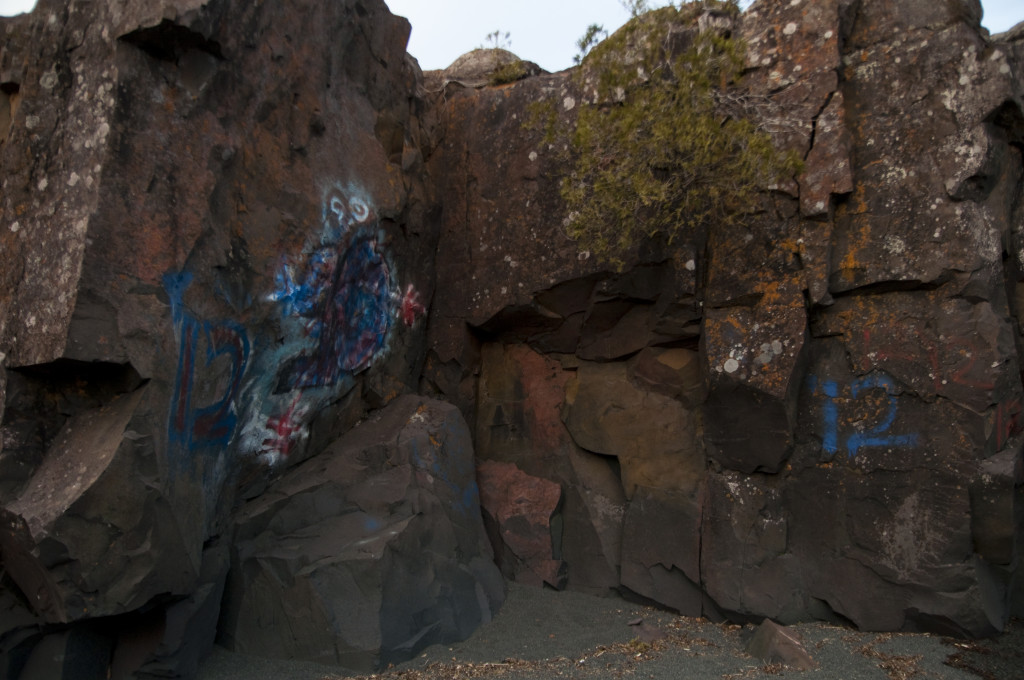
(812,413)
(218,245)
(238,236)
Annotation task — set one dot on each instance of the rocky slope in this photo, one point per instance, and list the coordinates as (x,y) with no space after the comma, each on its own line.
(239,238)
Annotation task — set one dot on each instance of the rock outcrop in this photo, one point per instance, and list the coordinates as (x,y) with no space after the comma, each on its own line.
(218,245)
(813,413)
(368,552)
(239,238)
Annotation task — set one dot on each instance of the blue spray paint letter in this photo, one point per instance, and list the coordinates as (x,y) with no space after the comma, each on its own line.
(212,425)
(876,436)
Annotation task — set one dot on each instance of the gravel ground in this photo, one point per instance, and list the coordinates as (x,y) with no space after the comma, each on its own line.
(542,634)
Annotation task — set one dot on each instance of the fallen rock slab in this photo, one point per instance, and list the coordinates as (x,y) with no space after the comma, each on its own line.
(369,552)
(519,507)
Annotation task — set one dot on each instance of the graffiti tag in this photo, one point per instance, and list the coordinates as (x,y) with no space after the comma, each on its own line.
(214,424)
(337,300)
(875,434)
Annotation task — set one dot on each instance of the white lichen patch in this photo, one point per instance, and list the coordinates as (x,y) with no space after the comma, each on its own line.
(895,244)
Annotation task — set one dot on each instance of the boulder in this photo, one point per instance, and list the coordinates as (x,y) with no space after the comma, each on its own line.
(73,539)
(661,540)
(773,643)
(369,552)
(480,67)
(653,437)
(518,508)
(521,397)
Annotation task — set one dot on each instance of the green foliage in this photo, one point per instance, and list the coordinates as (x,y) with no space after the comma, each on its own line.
(543,115)
(636,7)
(654,154)
(594,34)
(509,73)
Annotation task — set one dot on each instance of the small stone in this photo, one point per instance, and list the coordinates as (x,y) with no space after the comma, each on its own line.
(773,643)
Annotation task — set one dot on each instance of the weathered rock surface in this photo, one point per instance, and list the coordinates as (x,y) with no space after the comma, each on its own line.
(217,256)
(519,422)
(813,413)
(518,509)
(478,69)
(773,643)
(369,552)
(223,224)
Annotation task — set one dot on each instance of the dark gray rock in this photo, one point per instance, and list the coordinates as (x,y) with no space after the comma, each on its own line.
(71,540)
(858,332)
(79,652)
(521,398)
(20,630)
(217,260)
(369,552)
(661,542)
(169,641)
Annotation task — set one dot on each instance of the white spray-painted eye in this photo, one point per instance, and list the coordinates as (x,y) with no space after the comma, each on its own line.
(360,210)
(337,207)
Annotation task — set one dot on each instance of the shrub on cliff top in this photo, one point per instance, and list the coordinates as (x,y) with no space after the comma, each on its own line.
(654,154)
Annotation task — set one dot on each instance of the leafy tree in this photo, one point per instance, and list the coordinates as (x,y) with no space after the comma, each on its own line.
(594,34)
(636,7)
(654,152)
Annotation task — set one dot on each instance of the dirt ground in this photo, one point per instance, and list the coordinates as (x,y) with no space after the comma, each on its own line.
(540,634)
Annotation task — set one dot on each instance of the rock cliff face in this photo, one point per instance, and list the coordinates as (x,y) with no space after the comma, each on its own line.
(238,237)
(813,413)
(218,253)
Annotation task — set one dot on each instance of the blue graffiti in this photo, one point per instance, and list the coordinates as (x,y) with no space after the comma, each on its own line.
(347,310)
(302,298)
(876,436)
(338,300)
(830,437)
(189,425)
(452,471)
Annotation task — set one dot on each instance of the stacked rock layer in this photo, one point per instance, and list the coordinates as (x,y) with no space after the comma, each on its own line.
(241,239)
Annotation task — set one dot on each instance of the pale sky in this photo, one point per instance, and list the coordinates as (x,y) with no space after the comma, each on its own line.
(544,31)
